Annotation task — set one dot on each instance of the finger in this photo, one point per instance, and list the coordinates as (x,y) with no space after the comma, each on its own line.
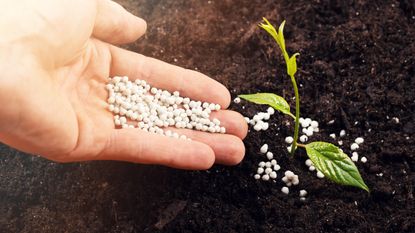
(162,75)
(134,145)
(116,25)
(234,122)
(229,149)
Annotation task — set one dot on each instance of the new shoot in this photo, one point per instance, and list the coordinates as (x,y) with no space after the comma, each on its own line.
(326,157)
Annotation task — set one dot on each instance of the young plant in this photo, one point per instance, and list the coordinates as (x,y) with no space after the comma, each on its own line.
(326,157)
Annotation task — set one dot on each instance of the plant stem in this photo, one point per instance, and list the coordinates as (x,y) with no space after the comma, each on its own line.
(301,145)
(297,115)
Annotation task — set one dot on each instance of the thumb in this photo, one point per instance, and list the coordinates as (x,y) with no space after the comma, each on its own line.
(116,25)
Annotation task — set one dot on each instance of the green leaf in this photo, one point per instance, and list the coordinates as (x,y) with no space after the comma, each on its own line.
(292,65)
(267,26)
(278,36)
(334,164)
(281,36)
(273,100)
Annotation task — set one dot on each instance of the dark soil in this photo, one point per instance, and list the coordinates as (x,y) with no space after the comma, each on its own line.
(357,67)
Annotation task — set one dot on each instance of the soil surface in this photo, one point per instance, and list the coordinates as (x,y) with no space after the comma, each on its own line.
(357,67)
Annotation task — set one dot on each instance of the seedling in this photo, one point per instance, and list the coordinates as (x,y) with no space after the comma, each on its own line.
(330,160)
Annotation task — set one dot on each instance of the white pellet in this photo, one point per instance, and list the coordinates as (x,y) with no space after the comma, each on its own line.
(289,174)
(314,124)
(268,170)
(258,126)
(270,111)
(111,100)
(312,168)
(305,124)
(363,160)
(342,133)
(216,121)
(270,155)
(273,175)
(320,174)
(222,130)
(260,170)
(354,146)
(355,157)
(123,120)
(303,193)
(265,126)
(309,132)
(289,139)
(277,167)
(257,176)
(265,177)
(237,100)
(308,163)
(257,118)
(266,116)
(153,90)
(295,180)
(333,135)
(285,190)
(359,140)
(303,138)
(264,149)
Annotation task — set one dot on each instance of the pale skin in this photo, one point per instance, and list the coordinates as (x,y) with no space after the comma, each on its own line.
(55,59)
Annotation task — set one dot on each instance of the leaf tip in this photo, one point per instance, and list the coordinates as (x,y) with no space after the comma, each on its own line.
(281,28)
(364,187)
(266,20)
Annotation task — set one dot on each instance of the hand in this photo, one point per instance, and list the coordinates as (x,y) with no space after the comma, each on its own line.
(55,59)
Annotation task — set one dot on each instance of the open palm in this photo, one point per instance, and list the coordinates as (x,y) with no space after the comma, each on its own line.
(53,88)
